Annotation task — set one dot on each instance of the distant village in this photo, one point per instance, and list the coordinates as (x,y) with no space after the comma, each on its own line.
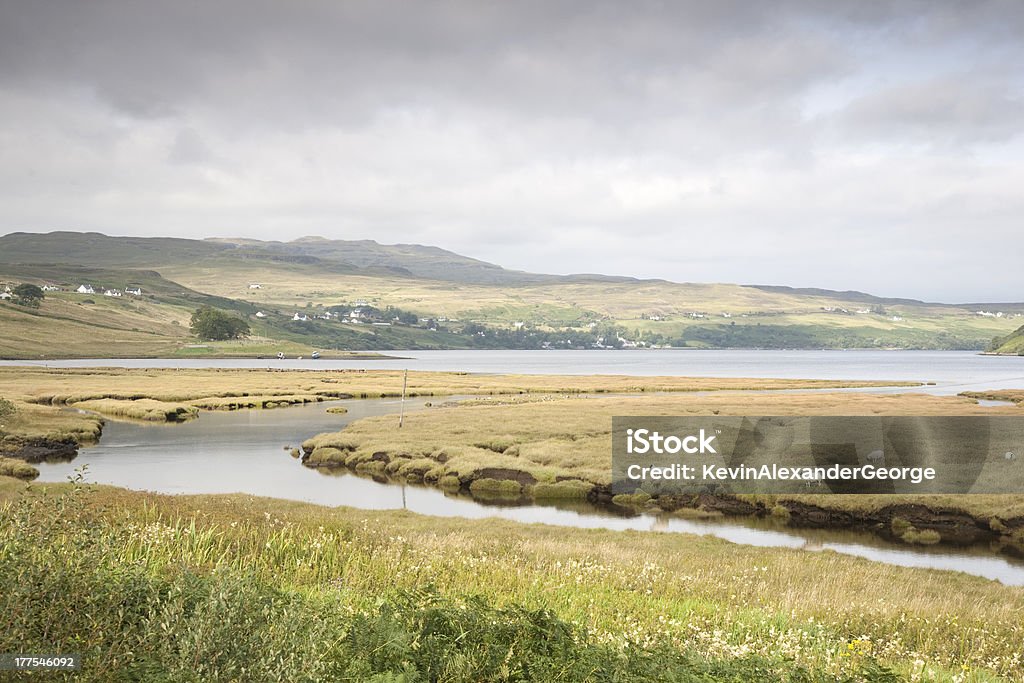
(89,289)
(131,290)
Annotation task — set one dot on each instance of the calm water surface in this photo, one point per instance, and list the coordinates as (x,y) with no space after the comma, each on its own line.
(952,371)
(244,452)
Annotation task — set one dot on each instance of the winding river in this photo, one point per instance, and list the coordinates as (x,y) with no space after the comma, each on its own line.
(246,452)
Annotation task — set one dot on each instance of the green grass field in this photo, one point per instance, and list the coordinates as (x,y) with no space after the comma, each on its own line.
(185,588)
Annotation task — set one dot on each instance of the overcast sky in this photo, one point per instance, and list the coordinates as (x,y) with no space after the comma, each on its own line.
(842,144)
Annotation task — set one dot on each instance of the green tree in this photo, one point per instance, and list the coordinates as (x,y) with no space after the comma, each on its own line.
(213,325)
(28,295)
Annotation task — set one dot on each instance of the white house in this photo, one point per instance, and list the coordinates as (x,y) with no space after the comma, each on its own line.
(6,295)
(51,288)
(111,292)
(301,317)
(85,289)
(261,314)
(255,285)
(134,291)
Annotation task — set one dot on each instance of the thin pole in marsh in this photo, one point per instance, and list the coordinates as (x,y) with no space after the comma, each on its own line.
(405,383)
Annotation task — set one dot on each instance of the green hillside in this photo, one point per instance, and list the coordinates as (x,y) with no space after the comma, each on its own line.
(1012,343)
(411,296)
(156,323)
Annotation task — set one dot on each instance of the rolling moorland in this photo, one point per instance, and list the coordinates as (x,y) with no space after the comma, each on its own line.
(335,295)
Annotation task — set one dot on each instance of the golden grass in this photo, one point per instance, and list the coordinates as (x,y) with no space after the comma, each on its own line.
(979,506)
(166,394)
(145,409)
(256,401)
(19,469)
(572,438)
(1011,395)
(35,421)
(71,385)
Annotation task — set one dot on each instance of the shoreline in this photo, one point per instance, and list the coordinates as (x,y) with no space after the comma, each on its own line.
(324,355)
(389,354)
(881,523)
(906,521)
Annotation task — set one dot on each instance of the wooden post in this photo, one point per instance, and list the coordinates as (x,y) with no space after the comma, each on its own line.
(405,383)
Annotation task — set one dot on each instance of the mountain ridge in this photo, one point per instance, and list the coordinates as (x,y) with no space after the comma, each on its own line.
(362,256)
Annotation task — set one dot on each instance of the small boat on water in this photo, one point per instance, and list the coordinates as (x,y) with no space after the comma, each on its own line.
(280,355)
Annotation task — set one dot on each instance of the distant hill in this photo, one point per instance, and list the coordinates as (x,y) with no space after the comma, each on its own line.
(415,260)
(445,300)
(848,295)
(96,249)
(340,256)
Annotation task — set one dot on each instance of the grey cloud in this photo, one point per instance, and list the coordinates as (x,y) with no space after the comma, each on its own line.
(816,144)
(963,110)
(575,57)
